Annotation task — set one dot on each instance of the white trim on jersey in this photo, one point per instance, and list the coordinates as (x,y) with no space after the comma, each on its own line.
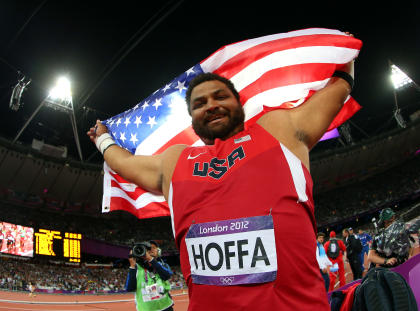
(171,209)
(296,170)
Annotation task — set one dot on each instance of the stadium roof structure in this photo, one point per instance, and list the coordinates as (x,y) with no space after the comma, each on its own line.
(117,54)
(29,177)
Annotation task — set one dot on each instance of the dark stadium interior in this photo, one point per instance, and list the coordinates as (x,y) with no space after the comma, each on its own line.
(117,55)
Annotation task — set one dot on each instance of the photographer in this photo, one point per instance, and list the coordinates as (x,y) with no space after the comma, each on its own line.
(392,246)
(149,278)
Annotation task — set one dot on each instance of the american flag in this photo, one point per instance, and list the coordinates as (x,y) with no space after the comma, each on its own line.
(270,72)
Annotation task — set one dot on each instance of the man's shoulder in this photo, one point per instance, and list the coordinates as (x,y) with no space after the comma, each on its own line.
(172,153)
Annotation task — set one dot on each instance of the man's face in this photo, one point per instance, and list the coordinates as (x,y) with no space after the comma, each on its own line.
(345,234)
(321,239)
(153,251)
(215,111)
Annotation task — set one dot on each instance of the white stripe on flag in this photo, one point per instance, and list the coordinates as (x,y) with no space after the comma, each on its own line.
(106,198)
(221,56)
(143,200)
(277,96)
(304,55)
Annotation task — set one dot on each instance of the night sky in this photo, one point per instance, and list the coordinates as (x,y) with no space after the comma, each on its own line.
(117,53)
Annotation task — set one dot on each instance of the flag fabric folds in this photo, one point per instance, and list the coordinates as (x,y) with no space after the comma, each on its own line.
(271,72)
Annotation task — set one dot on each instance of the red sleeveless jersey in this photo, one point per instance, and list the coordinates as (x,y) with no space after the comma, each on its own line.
(243,220)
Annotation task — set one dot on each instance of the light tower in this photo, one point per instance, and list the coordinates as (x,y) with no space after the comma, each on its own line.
(60,99)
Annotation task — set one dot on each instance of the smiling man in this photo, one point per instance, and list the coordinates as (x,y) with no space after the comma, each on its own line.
(242,206)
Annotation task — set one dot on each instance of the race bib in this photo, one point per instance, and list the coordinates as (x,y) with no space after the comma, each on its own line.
(232,252)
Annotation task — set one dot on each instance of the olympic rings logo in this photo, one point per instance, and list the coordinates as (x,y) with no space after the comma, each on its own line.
(227,280)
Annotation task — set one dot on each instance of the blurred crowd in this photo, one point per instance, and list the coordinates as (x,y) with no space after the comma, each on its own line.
(122,228)
(385,188)
(16,274)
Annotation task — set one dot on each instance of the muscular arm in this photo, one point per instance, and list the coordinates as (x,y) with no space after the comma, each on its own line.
(299,129)
(144,171)
(311,120)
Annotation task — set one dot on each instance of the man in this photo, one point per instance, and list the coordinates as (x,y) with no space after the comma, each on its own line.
(148,277)
(353,247)
(365,239)
(323,261)
(392,245)
(242,207)
(335,250)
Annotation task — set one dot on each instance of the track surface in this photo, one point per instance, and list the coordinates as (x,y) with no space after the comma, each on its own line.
(20,301)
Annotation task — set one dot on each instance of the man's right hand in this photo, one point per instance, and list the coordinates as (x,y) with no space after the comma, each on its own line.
(96,131)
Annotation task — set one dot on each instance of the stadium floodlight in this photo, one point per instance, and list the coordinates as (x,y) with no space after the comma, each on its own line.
(59,98)
(399,78)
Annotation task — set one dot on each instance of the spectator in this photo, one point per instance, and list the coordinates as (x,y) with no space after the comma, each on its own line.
(365,239)
(323,261)
(335,250)
(353,247)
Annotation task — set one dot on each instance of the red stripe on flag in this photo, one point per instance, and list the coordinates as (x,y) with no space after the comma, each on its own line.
(346,112)
(132,194)
(247,57)
(290,75)
(151,210)
(118,178)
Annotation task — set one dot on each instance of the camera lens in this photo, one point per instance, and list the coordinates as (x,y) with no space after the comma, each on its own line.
(139,250)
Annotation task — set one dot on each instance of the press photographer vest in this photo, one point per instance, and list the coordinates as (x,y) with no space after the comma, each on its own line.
(243,219)
(152,293)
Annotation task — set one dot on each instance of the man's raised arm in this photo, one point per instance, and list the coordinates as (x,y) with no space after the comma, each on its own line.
(313,117)
(144,171)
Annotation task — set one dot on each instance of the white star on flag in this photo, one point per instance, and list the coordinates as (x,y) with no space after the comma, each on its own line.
(122,137)
(190,71)
(145,105)
(151,121)
(181,86)
(157,103)
(138,121)
(133,139)
(127,121)
(167,87)
(118,121)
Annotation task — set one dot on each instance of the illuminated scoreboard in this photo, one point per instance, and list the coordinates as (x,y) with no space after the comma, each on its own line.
(60,245)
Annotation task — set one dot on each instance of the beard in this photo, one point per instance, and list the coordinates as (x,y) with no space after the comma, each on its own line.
(203,131)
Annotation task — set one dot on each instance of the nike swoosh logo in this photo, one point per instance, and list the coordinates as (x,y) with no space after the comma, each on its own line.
(193,157)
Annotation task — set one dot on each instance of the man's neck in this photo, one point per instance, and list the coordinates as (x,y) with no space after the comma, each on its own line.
(208,141)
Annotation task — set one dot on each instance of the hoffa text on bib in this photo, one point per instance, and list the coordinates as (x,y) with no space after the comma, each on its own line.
(232,252)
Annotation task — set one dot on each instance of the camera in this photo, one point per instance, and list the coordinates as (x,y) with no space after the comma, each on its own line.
(139,249)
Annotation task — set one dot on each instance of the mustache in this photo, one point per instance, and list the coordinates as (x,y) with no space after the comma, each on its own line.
(213,114)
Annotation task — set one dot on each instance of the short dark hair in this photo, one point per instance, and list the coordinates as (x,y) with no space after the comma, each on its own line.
(154,243)
(204,77)
(320,234)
